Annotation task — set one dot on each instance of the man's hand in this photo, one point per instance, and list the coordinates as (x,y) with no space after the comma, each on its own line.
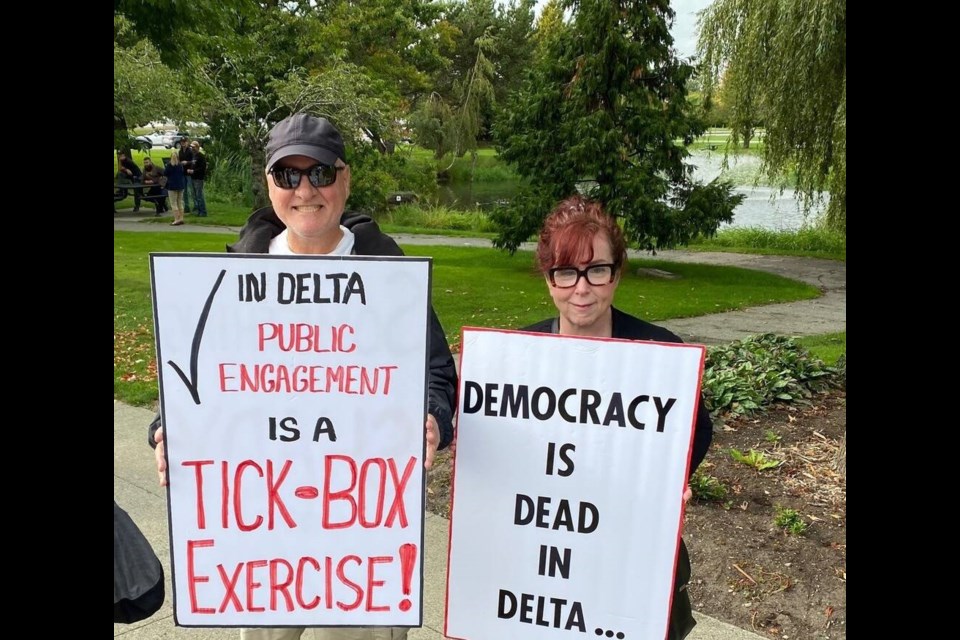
(432,437)
(161,460)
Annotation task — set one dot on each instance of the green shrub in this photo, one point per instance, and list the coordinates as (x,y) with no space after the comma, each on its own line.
(809,240)
(376,175)
(748,375)
(841,370)
(756,459)
(707,488)
(789,520)
(229,176)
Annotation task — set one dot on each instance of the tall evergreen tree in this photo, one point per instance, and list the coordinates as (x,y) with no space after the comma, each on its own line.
(604,111)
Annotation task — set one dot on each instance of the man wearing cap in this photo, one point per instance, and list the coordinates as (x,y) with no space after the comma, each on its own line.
(185,153)
(197,172)
(309,182)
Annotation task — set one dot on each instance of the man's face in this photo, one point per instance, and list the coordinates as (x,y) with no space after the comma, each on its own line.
(311,214)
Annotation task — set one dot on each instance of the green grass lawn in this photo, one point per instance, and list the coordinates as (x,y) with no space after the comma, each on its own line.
(471,287)
(828,346)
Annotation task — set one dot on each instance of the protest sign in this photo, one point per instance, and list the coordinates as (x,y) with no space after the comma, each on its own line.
(572,458)
(293,397)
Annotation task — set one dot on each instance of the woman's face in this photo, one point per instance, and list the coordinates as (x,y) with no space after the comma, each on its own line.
(585,308)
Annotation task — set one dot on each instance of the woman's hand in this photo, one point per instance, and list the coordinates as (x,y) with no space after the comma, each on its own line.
(161,460)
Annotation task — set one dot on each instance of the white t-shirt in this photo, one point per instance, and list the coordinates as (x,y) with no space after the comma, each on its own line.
(279,245)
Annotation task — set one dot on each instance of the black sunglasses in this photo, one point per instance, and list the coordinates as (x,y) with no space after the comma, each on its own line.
(596,274)
(319,175)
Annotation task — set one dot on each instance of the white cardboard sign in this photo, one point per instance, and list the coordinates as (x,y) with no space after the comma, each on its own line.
(293,395)
(572,459)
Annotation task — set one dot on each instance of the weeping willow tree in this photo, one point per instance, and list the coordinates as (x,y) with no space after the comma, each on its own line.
(454,129)
(785,61)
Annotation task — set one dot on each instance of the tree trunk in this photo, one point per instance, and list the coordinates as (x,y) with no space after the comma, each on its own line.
(261,196)
(121,139)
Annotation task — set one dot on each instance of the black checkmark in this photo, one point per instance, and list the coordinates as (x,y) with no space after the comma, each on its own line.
(191,382)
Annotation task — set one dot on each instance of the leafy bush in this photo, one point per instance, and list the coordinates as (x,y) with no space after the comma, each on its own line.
(229,176)
(789,520)
(707,488)
(756,459)
(840,370)
(748,375)
(375,175)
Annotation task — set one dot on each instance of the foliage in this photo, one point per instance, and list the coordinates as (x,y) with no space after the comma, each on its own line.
(604,110)
(706,487)
(747,375)
(786,62)
(495,34)
(144,89)
(806,241)
(772,436)
(841,368)
(167,24)
(789,520)
(756,459)
(229,175)
(438,218)
(158,57)
(374,176)
(400,44)
(451,128)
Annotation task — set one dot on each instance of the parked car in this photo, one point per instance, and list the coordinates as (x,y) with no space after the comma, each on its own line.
(165,139)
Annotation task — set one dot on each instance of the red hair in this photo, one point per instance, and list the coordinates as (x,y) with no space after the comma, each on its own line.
(566,238)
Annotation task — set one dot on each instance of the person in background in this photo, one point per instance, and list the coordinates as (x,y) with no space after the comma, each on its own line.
(308,179)
(130,170)
(152,175)
(176,184)
(581,253)
(197,173)
(185,153)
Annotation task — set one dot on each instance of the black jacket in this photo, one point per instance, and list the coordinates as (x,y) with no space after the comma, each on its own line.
(199,166)
(263,225)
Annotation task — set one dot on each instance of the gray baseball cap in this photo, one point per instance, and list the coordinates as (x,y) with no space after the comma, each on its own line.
(304,135)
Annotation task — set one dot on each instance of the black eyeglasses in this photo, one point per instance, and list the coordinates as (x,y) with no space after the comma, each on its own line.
(319,175)
(596,274)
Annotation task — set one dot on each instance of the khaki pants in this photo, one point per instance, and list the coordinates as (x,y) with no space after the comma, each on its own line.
(339,633)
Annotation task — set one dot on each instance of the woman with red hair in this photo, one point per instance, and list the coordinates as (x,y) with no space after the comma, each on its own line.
(582,254)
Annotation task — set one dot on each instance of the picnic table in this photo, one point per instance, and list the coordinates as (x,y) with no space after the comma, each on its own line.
(121,188)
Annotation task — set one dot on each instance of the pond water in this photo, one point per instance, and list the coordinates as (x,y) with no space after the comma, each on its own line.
(763,207)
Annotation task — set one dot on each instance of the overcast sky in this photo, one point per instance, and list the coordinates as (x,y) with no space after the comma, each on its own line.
(684,30)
